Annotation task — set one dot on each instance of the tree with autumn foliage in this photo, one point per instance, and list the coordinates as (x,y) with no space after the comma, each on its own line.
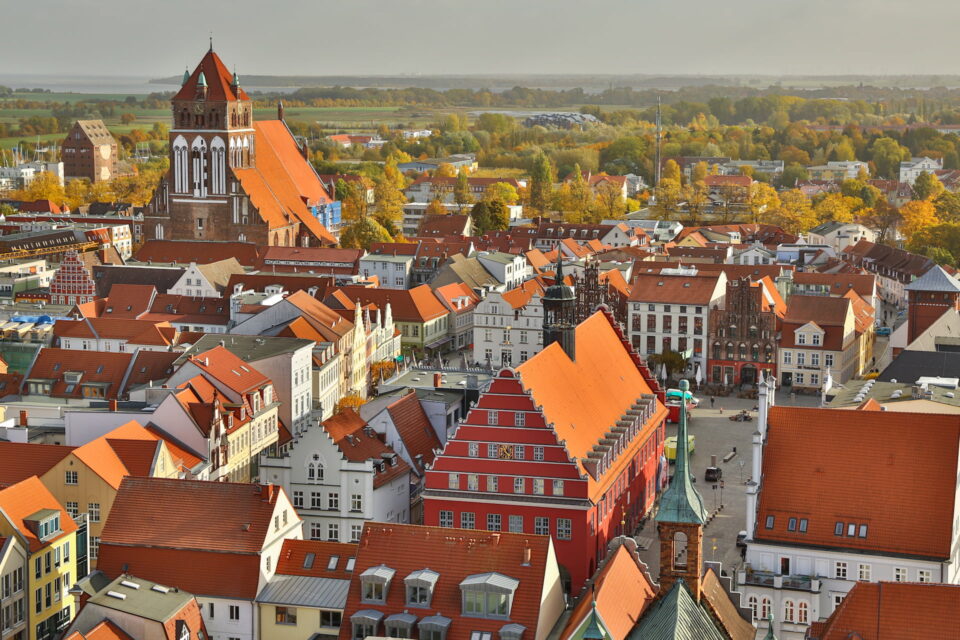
(763,200)
(668,194)
(837,207)
(389,199)
(445,170)
(541,182)
(795,213)
(916,216)
(927,186)
(436,208)
(363,233)
(44,186)
(461,189)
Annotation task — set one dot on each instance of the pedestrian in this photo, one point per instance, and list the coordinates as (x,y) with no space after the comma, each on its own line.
(721,410)
(712,400)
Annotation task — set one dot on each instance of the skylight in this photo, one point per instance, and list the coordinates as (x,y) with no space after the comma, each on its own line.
(308,561)
(332,563)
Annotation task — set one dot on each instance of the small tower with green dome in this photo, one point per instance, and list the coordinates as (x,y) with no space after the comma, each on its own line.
(680,519)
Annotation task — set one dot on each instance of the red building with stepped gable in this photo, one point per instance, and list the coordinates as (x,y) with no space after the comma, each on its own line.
(569,444)
(72,283)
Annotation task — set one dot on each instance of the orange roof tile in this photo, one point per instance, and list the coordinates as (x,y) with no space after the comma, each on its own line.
(695,289)
(414,428)
(822,465)
(218,79)
(145,332)
(582,398)
(457,290)
(621,575)
(127,450)
(358,443)
(20,460)
(294,561)
(455,554)
(104,630)
(230,370)
(414,305)
(102,367)
(20,501)
(520,296)
(183,456)
(141,515)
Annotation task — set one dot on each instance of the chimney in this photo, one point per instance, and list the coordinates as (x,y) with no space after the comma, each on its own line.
(113,405)
(526,555)
(438,380)
(280,110)
(80,594)
(304,150)
(23,417)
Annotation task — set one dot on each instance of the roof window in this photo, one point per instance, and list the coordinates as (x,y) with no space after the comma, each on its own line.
(308,560)
(862,533)
(331,563)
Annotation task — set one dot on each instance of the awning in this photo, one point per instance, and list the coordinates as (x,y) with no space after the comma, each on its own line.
(437,343)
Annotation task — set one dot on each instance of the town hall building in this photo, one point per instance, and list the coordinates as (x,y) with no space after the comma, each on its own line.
(232,178)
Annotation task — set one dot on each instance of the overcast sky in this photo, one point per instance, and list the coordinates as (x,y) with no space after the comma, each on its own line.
(391,37)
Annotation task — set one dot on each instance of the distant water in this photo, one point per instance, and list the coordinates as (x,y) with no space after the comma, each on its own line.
(97,84)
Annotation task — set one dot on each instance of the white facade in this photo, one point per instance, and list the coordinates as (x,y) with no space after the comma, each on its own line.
(327,378)
(393,272)
(107,344)
(911,169)
(193,283)
(333,495)
(842,236)
(805,363)
(505,335)
(756,254)
(510,269)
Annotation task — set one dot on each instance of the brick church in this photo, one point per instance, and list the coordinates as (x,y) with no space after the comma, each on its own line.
(232,178)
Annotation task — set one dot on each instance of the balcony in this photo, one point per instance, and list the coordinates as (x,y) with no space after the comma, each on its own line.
(774,580)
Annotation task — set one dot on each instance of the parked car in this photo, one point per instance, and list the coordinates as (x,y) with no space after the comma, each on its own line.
(884,331)
(713,474)
(742,539)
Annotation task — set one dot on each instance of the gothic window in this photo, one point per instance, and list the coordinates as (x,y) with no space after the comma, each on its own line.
(729,351)
(198,153)
(755,352)
(679,551)
(753,331)
(158,232)
(218,181)
(768,353)
(180,165)
(716,350)
(245,159)
(743,351)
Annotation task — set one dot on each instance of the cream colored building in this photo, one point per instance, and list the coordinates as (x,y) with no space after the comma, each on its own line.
(13,593)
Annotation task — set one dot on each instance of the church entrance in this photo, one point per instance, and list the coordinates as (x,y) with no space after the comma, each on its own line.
(748,374)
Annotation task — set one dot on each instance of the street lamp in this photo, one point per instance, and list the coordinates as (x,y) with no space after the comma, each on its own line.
(721,494)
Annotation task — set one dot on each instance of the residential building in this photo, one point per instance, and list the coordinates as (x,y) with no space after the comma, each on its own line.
(315,260)
(287,362)
(87,478)
(818,337)
(462,302)
(755,254)
(390,271)
(341,474)
(89,152)
(226,556)
(404,426)
(92,375)
(115,334)
(508,268)
(218,379)
(770,168)
(71,284)
(929,297)
(15,600)
(508,325)
(536,453)
(233,178)
(911,169)
(743,334)
(306,596)
(658,230)
(48,537)
(430,188)
(811,283)
(450,584)
(894,268)
(670,311)
(838,170)
(131,607)
(206,280)
(812,534)
(24,275)
(874,610)
(840,235)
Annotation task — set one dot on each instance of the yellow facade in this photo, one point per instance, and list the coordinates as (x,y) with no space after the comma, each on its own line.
(274,622)
(245,444)
(88,492)
(50,571)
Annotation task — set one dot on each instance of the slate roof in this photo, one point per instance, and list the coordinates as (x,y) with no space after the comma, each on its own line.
(106,276)
(936,279)
(305,591)
(822,465)
(911,365)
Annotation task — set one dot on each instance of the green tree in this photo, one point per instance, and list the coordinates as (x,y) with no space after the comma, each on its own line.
(948,206)
(502,191)
(792,174)
(489,215)
(362,233)
(927,186)
(461,190)
(887,154)
(940,242)
(541,183)
(668,194)
(353,199)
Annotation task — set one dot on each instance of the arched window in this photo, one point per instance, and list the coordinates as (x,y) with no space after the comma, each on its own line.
(729,351)
(233,153)
(764,608)
(158,232)
(679,550)
(768,353)
(755,352)
(752,603)
(180,165)
(716,350)
(788,610)
(198,152)
(802,613)
(315,469)
(743,351)
(753,331)
(245,160)
(286,238)
(218,174)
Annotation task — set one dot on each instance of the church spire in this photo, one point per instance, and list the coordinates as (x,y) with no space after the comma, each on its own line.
(681,502)
(186,76)
(560,313)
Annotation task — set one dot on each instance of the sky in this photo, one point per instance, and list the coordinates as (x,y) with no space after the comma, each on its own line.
(461,37)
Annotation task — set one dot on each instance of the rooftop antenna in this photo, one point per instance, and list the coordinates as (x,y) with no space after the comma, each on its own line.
(211,41)
(659,137)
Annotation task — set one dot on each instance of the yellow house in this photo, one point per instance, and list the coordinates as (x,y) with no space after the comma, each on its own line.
(13,594)
(86,479)
(32,515)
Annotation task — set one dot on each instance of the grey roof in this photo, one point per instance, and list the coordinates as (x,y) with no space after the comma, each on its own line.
(911,365)
(936,279)
(425,575)
(106,275)
(827,227)
(439,621)
(883,393)
(306,591)
(93,583)
(402,618)
(148,599)
(676,616)
(368,614)
(492,579)
(382,572)
(247,348)
(945,330)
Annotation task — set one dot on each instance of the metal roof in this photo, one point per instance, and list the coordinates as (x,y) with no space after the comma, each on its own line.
(676,616)
(936,279)
(306,591)
(492,579)
(402,618)
(142,598)
(382,572)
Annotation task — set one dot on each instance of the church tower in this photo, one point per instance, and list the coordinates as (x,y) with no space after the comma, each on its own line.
(560,313)
(680,520)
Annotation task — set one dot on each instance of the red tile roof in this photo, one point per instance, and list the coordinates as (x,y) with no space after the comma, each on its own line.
(455,554)
(140,332)
(220,364)
(128,450)
(414,428)
(838,284)
(414,305)
(293,558)
(22,460)
(198,251)
(449,293)
(823,465)
(218,79)
(696,289)
(520,296)
(104,630)
(904,610)
(444,225)
(141,515)
(97,367)
(20,501)
(359,443)
(827,312)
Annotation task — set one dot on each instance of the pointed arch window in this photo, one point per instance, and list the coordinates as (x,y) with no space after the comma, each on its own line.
(218,174)
(679,551)
(198,154)
(180,165)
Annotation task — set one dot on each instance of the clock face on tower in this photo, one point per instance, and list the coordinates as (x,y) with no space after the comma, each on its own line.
(505,452)
(198,108)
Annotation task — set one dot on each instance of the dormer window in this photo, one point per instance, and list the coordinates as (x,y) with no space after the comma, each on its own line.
(375,583)
(420,585)
(801,338)
(434,628)
(816,339)
(488,595)
(400,625)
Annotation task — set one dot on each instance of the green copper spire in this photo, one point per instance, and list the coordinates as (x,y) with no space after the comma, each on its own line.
(681,502)
(186,76)
(236,80)
(595,629)
(202,80)
(770,635)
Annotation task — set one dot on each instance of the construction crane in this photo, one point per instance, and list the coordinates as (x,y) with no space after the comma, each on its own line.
(79,247)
